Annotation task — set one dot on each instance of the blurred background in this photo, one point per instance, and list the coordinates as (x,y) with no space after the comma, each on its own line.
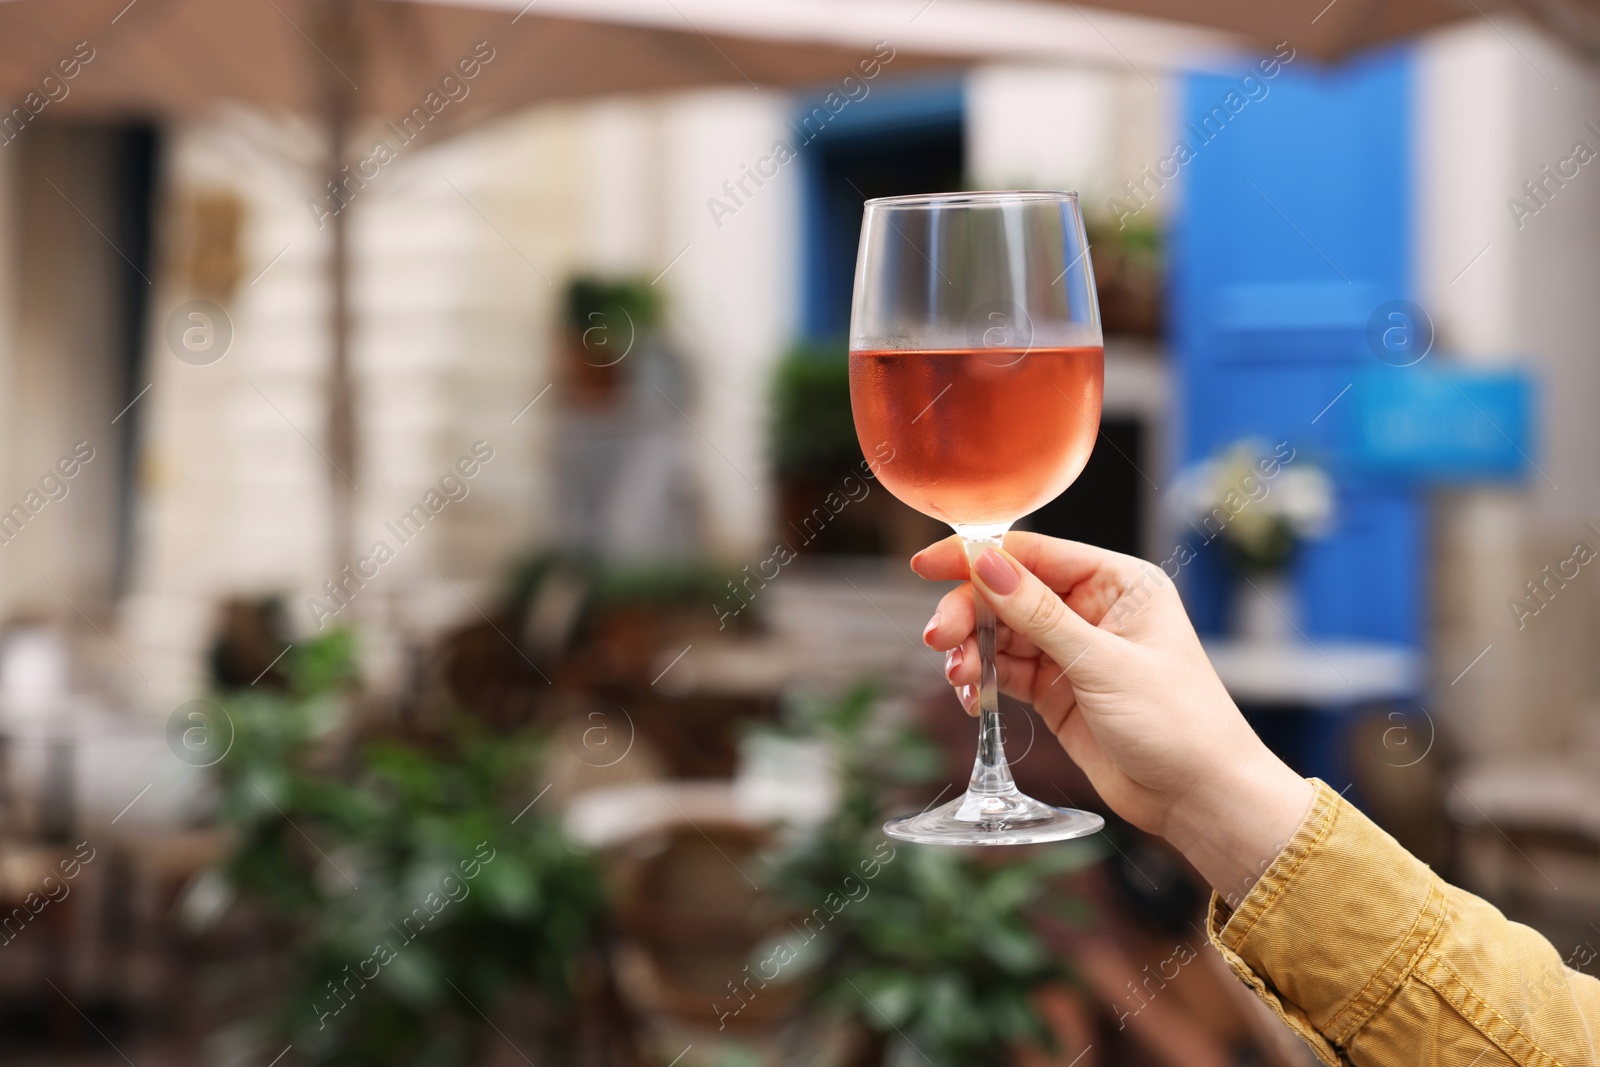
(445,614)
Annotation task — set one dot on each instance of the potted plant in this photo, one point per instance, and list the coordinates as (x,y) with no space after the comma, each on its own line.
(924,953)
(406,897)
(1129,272)
(828,500)
(605,320)
(1260,504)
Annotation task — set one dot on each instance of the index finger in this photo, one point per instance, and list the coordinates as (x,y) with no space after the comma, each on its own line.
(1059,564)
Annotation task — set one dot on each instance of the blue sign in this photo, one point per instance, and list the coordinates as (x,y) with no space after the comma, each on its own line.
(1443,424)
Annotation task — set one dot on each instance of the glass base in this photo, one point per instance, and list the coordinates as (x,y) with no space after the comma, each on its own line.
(1009,818)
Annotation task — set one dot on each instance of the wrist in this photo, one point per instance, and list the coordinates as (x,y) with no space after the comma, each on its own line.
(1233,824)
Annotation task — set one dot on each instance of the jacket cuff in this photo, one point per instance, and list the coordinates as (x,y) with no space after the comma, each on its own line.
(1334,926)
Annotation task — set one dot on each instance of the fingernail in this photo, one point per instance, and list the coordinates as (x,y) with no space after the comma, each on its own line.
(927,631)
(997,574)
(965,697)
(952,660)
(914,560)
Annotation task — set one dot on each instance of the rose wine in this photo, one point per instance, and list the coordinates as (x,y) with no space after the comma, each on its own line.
(977,436)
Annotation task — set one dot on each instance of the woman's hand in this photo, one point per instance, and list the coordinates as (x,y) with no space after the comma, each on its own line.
(1099,644)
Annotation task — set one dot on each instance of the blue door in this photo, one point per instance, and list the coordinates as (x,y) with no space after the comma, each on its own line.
(1295,231)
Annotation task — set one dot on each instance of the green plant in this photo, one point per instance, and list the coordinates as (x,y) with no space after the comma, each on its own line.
(1137,241)
(1130,268)
(939,952)
(408,894)
(658,585)
(607,302)
(655,586)
(812,432)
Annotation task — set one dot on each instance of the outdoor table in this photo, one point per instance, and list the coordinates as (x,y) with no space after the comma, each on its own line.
(1304,697)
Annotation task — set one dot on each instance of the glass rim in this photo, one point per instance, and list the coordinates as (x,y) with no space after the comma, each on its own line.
(974,197)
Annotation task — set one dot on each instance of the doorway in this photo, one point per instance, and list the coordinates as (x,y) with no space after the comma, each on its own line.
(83,200)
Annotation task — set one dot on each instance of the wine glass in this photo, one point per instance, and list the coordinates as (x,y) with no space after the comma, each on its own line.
(976,372)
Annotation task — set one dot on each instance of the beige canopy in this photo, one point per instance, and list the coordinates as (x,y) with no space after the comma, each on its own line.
(164,57)
(1327,31)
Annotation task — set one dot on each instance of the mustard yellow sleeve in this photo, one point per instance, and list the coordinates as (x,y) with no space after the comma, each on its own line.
(1377,962)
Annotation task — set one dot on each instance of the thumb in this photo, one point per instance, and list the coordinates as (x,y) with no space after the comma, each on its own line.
(1032,609)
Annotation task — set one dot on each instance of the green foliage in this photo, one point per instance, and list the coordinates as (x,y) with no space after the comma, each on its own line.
(408,893)
(608,302)
(607,587)
(941,951)
(666,584)
(1138,240)
(813,433)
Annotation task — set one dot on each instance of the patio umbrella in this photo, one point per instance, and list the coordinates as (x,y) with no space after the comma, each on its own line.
(346,62)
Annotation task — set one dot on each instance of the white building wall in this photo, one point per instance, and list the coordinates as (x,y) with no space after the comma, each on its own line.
(623,182)
(451,340)
(1492,111)
(1086,128)
(733,295)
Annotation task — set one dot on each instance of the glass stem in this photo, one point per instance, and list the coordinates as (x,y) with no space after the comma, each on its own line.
(991,776)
